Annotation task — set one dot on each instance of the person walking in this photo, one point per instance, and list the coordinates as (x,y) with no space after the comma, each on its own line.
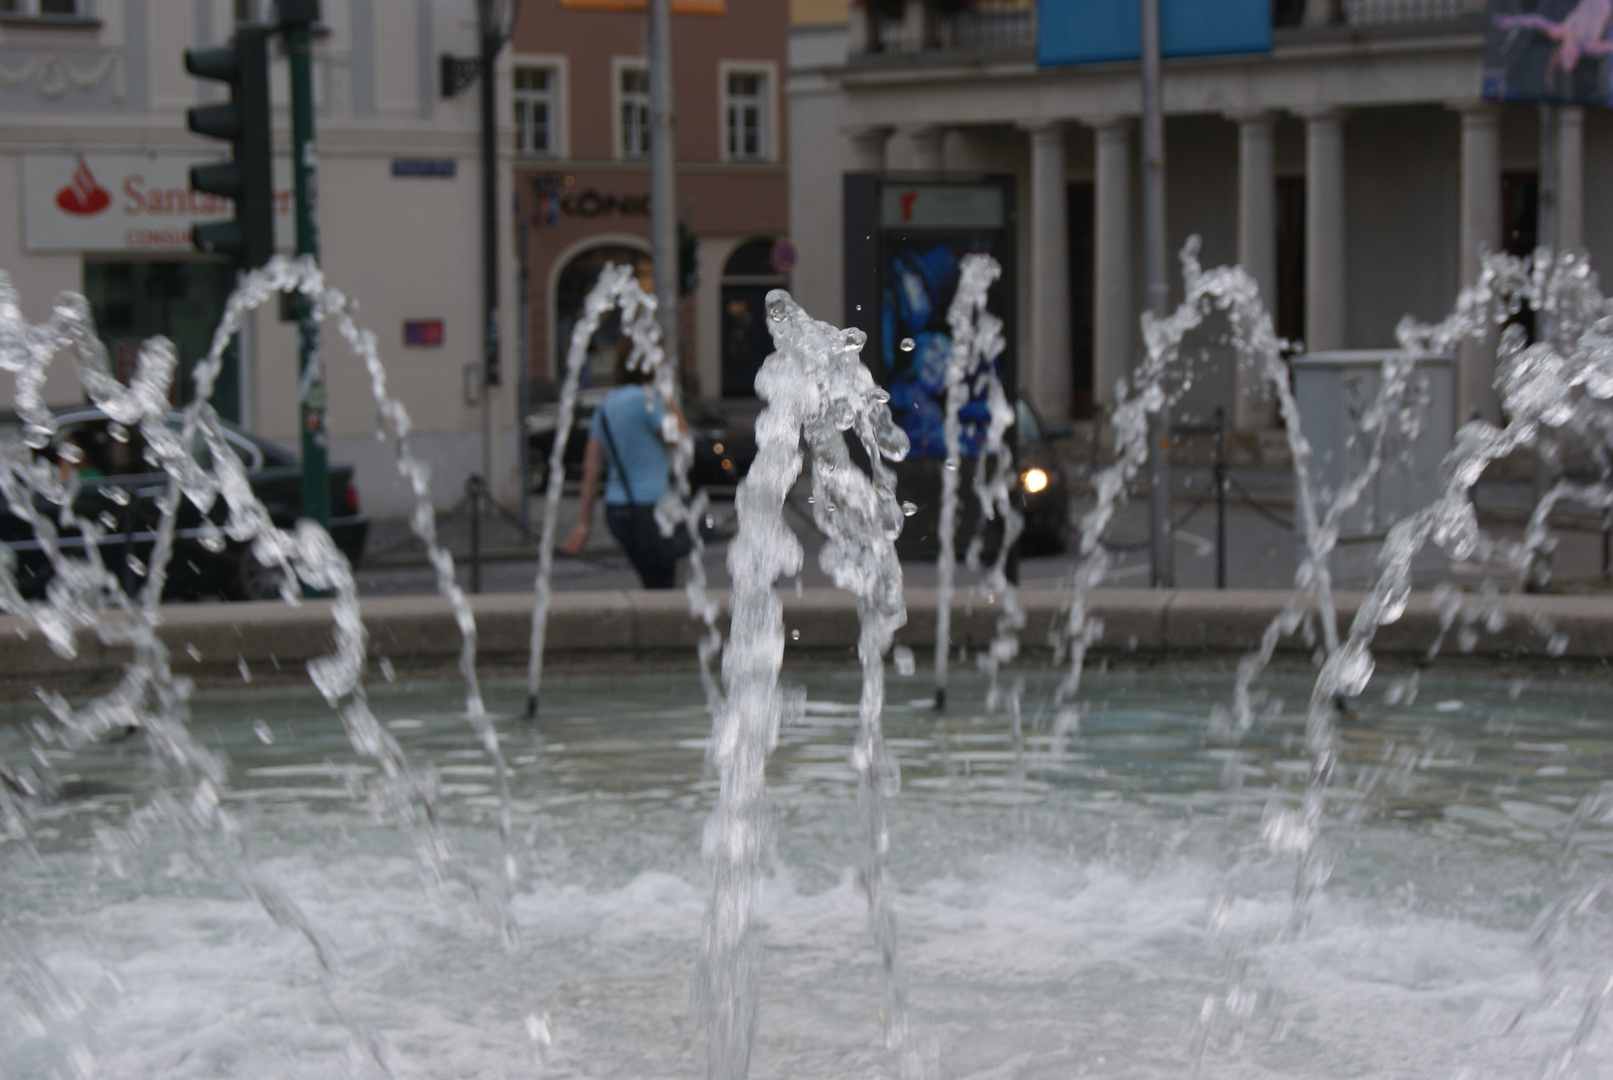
(626,434)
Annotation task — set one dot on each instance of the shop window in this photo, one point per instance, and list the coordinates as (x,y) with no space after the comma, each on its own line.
(633,110)
(747,277)
(536,95)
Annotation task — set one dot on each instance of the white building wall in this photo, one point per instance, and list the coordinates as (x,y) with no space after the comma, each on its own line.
(404,247)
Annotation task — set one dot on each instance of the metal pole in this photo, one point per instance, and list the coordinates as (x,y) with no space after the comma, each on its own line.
(473,492)
(523,351)
(663,179)
(1545,330)
(492,39)
(1163,573)
(296,20)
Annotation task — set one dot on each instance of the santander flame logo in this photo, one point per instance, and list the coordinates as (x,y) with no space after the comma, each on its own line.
(83,196)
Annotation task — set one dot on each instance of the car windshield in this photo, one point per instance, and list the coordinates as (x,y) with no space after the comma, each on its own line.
(1025,419)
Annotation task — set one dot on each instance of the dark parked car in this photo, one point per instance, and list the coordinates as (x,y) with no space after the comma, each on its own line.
(119,488)
(1042,494)
(723,450)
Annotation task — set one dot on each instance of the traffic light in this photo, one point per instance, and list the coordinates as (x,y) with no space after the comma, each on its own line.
(248,179)
(688,261)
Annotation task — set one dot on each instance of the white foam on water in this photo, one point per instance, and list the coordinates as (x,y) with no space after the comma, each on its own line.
(1025,961)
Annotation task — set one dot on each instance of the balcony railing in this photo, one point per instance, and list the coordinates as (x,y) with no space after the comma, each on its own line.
(1371,12)
(938,26)
(1406,12)
(993,25)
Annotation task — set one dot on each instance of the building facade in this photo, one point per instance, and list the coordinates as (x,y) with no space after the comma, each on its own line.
(580,88)
(1354,170)
(94,160)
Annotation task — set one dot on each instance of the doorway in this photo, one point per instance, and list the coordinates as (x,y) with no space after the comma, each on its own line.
(747,277)
(181,300)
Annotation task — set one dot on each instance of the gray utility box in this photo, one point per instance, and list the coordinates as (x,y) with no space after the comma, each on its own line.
(1333,390)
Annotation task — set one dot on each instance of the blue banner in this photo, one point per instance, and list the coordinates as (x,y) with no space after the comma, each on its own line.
(1096,31)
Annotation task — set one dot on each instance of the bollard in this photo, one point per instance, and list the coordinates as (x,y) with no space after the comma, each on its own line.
(1220,498)
(473,493)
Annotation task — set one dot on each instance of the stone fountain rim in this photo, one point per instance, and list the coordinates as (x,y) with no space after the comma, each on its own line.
(602,629)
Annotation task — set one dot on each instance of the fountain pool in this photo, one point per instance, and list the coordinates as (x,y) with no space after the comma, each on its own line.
(1069,920)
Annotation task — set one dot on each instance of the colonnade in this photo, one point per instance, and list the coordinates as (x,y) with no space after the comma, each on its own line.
(1045,367)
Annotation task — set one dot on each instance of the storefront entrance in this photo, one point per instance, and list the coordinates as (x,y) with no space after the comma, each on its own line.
(182,300)
(747,277)
(576,280)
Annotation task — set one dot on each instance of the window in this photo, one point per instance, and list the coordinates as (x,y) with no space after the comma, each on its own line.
(746,116)
(536,111)
(747,120)
(634,96)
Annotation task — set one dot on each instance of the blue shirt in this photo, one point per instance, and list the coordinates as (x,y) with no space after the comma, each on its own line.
(635,425)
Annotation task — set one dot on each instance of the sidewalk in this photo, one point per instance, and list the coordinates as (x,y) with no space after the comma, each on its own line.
(1262,549)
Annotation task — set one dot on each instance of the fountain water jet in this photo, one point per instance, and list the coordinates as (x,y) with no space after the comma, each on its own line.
(617,289)
(149,696)
(816,390)
(977,342)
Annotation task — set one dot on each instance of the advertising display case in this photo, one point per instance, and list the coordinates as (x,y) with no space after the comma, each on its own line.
(905,239)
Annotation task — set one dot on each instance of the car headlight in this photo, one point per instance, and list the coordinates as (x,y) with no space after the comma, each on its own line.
(1034,480)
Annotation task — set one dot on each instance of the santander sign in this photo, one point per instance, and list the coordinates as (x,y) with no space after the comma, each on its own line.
(122,202)
(82,195)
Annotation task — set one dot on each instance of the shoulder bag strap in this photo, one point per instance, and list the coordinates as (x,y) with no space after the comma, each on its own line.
(604,422)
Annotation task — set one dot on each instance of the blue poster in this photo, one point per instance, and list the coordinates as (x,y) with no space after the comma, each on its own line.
(1098,31)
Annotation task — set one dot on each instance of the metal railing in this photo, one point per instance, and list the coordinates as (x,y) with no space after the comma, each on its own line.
(1009,25)
(987,25)
(1406,12)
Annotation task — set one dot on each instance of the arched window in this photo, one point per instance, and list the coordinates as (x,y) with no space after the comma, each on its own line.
(576,279)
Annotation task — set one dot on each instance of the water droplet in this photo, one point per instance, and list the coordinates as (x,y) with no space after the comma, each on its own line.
(909,509)
(388,672)
(795,635)
(952,466)
(859,307)
(117,495)
(261,730)
(108,522)
(903,657)
(246,673)
(907,344)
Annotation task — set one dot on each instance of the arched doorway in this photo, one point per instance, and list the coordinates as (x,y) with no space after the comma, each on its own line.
(746,277)
(576,278)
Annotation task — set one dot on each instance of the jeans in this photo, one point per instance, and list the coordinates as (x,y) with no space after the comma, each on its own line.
(654,571)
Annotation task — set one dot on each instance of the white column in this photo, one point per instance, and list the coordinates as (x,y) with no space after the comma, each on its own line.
(1045,368)
(1480,233)
(929,148)
(915,26)
(1318,12)
(859,29)
(1257,248)
(1571,178)
(1324,229)
(869,144)
(1114,320)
